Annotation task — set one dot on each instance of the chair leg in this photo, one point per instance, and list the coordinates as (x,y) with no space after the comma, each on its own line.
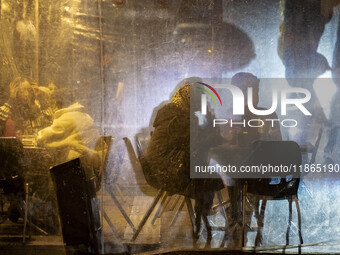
(177,213)
(159,208)
(221,203)
(257,216)
(29,225)
(227,229)
(231,222)
(121,209)
(37,228)
(167,202)
(120,193)
(260,218)
(147,215)
(191,215)
(224,203)
(208,228)
(1,202)
(289,224)
(177,198)
(114,230)
(25,212)
(244,193)
(299,221)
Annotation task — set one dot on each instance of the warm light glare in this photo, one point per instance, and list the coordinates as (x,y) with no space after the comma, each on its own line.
(4,6)
(67,20)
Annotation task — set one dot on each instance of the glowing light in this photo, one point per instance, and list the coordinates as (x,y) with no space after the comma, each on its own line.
(326,74)
(67,20)
(67,8)
(117,1)
(210,51)
(5,6)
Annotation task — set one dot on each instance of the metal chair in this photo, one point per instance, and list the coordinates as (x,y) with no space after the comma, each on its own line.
(108,185)
(274,153)
(312,149)
(161,192)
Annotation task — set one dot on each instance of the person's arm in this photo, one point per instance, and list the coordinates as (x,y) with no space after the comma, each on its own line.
(5,110)
(54,133)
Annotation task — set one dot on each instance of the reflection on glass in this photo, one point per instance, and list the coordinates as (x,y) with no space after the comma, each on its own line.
(80,79)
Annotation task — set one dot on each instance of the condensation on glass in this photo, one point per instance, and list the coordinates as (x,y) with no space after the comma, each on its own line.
(84,79)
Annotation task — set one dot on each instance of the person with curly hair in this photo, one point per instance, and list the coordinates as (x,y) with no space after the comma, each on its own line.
(167,158)
(23,113)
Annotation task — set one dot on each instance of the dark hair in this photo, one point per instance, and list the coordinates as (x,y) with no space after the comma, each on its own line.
(64,98)
(19,80)
(244,80)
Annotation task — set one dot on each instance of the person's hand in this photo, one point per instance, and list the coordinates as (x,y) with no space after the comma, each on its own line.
(13,91)
(19,134)
(36,90)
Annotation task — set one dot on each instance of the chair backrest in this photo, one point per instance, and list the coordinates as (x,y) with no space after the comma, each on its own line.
(316,147)
(12,165)
(140,151)
(138,167)
(11,156)
(276,154)
(149,176)
(78,205)
(103,145)
(139,164)
(134,158)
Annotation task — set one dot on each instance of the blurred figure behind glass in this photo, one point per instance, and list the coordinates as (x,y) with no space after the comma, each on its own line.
(74,133)
(167,158)
(23,114)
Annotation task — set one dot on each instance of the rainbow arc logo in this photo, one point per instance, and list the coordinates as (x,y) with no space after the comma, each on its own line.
(209,93)
(204,97)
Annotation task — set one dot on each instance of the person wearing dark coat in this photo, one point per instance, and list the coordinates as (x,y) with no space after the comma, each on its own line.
(168,155)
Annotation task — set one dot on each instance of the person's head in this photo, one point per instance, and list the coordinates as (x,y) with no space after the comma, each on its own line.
(61,97)
(182,92)
(44,97)
(21,88)
(182,97)
(247,80)
(52,87)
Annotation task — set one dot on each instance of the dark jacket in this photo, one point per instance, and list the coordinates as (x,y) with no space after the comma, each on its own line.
(167,157)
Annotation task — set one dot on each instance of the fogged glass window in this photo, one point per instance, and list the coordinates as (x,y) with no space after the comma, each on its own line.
(121,124)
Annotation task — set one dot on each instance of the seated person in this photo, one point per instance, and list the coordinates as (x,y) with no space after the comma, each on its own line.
(74,133)
(11,177)
(23,114)
(167,158)
(244,137)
